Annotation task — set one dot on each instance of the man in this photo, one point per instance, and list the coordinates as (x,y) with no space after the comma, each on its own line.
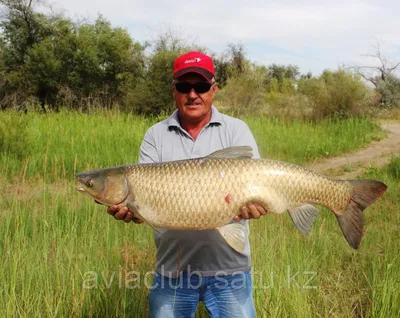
(195,266)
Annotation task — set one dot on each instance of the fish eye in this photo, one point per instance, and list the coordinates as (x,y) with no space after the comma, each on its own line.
(89,183)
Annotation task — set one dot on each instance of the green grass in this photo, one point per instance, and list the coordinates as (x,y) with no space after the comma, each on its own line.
(62,255)
(58,145)
(52,240)
(302,141)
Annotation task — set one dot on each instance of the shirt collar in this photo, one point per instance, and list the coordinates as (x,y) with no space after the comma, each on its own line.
(216,118)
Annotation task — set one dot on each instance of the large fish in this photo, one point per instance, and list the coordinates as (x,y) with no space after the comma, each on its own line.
(207,193)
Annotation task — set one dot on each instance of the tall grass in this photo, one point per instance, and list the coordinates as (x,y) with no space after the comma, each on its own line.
(58,145)
(302,141)
(52,241)
(62,255)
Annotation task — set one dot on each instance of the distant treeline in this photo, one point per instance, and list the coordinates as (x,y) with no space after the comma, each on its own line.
(49,62)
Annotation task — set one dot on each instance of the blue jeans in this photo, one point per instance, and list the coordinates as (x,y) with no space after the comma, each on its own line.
(223,296)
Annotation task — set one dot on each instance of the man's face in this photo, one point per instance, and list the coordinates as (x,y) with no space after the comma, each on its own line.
(194,105)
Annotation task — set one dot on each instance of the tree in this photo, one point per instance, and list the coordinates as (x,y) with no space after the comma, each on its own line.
(222,65)
(100,62)
(281,77)
(238,59)
(22,27)
(57,62)
(153,94)
(389,91)
(381,76)
(282,71)
(230,64)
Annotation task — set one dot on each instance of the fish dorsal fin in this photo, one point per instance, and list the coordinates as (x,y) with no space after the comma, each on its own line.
(238,152)
(303,217)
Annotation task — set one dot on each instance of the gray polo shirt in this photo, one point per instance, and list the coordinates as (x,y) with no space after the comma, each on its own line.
(205,252)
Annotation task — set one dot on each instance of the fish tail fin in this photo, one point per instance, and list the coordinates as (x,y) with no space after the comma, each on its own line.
(365,192)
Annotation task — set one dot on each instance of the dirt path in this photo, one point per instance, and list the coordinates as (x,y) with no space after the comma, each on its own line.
(376,154)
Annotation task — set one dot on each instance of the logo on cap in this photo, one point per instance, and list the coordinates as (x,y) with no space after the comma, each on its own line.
(194,60)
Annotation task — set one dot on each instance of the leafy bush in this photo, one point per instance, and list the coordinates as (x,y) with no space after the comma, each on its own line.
(389,91)
(281,78)
(287,105)
(154,93)
(336,93)
(244,92)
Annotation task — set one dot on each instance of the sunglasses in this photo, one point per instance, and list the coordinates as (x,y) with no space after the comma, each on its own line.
(199,88)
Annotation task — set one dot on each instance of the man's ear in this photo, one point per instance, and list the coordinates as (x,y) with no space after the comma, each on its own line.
(214,89)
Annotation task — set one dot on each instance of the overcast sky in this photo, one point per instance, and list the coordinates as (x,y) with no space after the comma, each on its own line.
(312,34)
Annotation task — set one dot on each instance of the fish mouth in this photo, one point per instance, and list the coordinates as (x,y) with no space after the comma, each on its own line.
(80,188)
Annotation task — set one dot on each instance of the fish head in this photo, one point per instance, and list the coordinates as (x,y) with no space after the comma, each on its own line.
(107,186)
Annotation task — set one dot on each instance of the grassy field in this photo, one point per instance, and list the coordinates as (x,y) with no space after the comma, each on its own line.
(62,255)
(56,146)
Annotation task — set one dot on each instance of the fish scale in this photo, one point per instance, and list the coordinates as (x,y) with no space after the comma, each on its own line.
(207,193)
(192,195)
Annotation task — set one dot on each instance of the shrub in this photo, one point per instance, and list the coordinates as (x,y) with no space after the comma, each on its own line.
(244,92)
(389,91)
(287,105)
(336,93)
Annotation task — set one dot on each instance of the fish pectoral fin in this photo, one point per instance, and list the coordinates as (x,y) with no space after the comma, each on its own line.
(238,152)
(303,217)
(235,235)
(132,206)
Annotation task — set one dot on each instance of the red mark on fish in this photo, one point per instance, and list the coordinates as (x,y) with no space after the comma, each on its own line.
(228,198)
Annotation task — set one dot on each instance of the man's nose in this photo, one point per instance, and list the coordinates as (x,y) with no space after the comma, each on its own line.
(192,93)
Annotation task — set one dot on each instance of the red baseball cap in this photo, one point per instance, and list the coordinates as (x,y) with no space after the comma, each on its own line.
(195,62)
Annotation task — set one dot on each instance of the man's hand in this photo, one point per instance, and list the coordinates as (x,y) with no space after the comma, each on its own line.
(252,210)
(121,212)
